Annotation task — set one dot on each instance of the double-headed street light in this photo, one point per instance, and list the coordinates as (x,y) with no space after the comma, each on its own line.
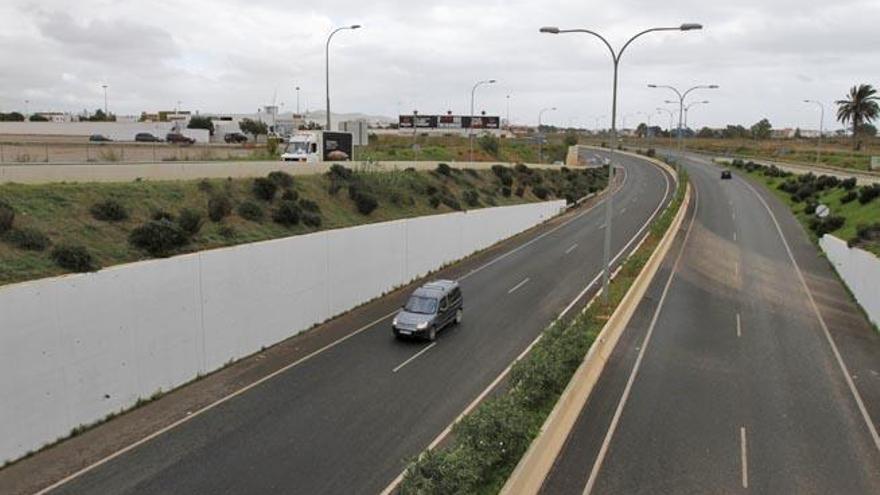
(327,66)
(471,126)
(681,97)
(821,127)
(541,133)
(615,58)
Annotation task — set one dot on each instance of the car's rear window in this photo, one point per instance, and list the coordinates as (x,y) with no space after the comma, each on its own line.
(419,304)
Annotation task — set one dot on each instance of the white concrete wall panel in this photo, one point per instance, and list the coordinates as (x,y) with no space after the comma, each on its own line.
(76,348)
(860,270)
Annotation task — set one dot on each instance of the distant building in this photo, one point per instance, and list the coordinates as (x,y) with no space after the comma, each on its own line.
(56,117)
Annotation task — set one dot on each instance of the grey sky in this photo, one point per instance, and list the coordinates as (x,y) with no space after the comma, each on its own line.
(233,55)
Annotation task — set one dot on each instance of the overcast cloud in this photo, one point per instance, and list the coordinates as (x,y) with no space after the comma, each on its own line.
(234,55)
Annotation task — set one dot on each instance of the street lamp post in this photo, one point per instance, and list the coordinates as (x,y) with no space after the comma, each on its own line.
(27,109)
(327,67)
(508,112)
(671,116)
(821,127)
(615,58)
(681,97)
(297,100)
(471,126)
(541,133)
(105,100)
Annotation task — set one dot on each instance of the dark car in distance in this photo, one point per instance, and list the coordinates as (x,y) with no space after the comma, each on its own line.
(146,137)
(99,138)
(235,138)
(178,138)
(725,174)
(431,308)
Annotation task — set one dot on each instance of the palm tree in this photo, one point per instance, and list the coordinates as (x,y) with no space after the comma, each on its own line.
(861,108)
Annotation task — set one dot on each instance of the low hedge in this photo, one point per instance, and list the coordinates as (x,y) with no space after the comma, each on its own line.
(74,258)
(27,238)
(109,210)
(489,441)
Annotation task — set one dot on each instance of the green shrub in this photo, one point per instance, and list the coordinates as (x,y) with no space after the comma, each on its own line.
(849,197)
(520,191)
(489,144)
(450,202)
(848,184)
(281,179)
(651,153)
(227,232)
(340,173)
(541,192)
(219,207)
(264,188)
(74,258)
(471,197)
(434,201)
(311,219)
(206,186)
(109,210)
(473,173)
(158,237)
(822,226)
(365,202)
(289,195)
(287,213)
(162,215)
(444,169)
(309,205)
(7,216)
(27,238)
(190,221)
(250,210)
(506,192)
(868,193)
(431,190)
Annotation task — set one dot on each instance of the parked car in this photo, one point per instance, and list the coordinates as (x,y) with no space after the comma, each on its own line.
(431,308)
(235,138)
(146,137)
(725,174)
(99,138)
(178,138)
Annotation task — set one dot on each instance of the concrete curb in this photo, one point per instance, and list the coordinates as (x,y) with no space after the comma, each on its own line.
(535,465)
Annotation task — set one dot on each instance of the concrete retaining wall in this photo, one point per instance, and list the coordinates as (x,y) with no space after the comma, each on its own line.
(76,348)
(860,270)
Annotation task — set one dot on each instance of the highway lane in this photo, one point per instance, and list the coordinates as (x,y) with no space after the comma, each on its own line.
(738,388)
(348,419)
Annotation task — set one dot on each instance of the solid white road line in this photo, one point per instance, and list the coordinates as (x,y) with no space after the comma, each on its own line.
(843,368)
(744,456)
(602,226)
(623,210)
(736,268)
(734,236)
(517,286)
(600,457)
(401,365)
(572,248)
(738,326)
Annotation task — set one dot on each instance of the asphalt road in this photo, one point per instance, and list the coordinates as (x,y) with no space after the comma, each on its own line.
(734,383)
(347,420)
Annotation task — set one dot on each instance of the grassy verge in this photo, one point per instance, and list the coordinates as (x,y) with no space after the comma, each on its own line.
(51,229)
(456,148)
(489,442)
(855,211)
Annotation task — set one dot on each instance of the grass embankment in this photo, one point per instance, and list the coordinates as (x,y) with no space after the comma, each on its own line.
(50,229)
(855,210)
(456,148)
(835,152)
(489,442)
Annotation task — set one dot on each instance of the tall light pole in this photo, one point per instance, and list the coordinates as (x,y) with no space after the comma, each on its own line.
(541,133)
(327,67)
(105,101)
(615,58)
(471,126)
(598,118)
(508,111)
(821,127)
(688,107)
(27,107)
(297,100)
(671,116)
(681,97)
